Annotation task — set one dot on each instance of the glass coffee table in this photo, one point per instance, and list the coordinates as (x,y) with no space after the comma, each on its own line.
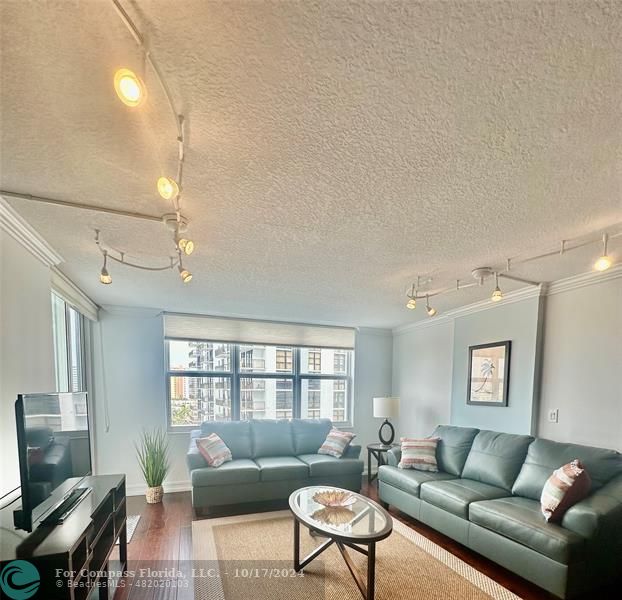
(357,526)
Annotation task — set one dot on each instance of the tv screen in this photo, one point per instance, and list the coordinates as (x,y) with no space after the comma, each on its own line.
(54,445)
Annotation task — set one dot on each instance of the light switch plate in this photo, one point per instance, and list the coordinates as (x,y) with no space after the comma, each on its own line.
(553,415)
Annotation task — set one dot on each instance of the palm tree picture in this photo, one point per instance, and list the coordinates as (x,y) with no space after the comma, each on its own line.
(489,374)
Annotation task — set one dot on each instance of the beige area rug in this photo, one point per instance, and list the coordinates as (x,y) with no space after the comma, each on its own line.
(251,557)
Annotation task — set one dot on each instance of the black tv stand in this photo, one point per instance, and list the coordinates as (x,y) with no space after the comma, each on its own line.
(80,545)
(65,508)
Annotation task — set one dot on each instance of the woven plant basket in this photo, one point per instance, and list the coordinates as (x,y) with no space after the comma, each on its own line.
(154,494)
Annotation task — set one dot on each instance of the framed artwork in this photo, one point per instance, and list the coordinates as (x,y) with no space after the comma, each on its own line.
(489,374)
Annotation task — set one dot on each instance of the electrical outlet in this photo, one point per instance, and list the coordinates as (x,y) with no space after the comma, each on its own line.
(553,415)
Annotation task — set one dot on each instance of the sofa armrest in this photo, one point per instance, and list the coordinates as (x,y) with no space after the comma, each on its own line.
(352,451)
(394,456)
(600,513)
(194,459)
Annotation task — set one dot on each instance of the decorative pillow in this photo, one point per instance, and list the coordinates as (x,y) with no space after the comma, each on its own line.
(419,454)
(214,450)
(336,443)
(567,486)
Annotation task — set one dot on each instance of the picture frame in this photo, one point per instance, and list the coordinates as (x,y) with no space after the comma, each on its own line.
(488,381)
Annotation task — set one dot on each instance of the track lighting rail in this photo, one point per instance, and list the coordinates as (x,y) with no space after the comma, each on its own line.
(604,262)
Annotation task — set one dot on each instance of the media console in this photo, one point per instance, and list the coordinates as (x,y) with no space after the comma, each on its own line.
(79,547)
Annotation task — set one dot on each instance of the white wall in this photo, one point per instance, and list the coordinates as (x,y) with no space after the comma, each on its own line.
(422,371)
(133,373)
(26,347)
(582,365)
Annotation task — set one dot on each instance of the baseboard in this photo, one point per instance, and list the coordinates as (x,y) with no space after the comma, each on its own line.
(139,489)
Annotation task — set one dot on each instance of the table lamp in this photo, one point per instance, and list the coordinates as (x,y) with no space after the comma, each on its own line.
(384,408)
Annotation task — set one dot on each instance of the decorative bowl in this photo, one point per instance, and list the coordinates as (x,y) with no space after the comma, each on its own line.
(334,498)
(334,515)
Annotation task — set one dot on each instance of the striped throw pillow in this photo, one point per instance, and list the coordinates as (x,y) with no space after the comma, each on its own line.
(567,486)
(419,454)
(336,443)
(214,450)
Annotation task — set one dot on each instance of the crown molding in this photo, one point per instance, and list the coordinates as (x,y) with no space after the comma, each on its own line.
(544,289)
(72,294)
(132,311)
(584,279)
(22,232)
(469,309)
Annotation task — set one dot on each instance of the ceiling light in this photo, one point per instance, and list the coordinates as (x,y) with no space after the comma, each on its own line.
(186,246)
(167,188)
(605,261)
(497,294)
(129,87)
(104,276)
(430,310)
(185,275)
(412,299)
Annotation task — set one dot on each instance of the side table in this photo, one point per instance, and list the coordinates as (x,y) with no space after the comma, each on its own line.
(378,451)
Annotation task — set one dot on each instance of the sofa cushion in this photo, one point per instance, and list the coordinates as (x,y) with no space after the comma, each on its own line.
(544,456)
(456,495)
(496,458)
(322,465)
(567,486)
(520,519)
(419,454)
(272,438)
(235,434)
(278,468)
(409,480)
(453,447)
(242,470)
(309,434)
(336,442)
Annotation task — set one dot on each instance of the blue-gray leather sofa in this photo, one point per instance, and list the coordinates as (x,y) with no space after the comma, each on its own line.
(486,496)
(271,459)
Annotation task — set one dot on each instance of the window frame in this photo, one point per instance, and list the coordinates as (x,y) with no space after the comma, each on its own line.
(66,338)
(236,374)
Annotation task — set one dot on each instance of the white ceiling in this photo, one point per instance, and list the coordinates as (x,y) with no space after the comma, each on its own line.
(335,150)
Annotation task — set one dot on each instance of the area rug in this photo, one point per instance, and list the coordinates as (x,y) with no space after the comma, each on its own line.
(251,556)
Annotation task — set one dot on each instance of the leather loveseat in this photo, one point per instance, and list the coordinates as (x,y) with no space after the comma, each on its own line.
(486,496)
(271,459)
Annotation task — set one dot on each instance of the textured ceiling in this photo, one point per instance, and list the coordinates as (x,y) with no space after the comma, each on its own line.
(335,150)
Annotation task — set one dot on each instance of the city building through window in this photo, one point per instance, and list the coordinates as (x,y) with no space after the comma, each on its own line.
(212,381)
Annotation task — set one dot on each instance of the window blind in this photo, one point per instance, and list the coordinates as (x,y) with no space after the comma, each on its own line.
(73,295)
(222,329)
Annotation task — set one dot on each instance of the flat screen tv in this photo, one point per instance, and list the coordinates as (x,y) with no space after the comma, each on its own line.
(54,445)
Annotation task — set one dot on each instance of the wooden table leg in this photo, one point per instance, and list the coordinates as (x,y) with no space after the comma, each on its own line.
(369,478)
(123,548)
(102,593)
(371,570)
(296,545)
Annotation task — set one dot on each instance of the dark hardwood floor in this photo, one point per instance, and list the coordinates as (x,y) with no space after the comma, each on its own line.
(163,540)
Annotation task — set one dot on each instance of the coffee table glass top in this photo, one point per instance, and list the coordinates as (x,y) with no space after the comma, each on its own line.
(363,519)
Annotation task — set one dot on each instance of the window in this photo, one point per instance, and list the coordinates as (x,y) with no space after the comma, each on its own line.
(68,335)
(211,381)
(315,361)
(283,359)
(340,362)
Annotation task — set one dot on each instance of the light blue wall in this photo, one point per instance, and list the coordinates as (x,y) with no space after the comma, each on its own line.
(520,323)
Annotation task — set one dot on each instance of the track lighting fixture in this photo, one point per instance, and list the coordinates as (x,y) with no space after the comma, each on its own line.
(497,294)
(429,309)
(168,188)
(104,276)
(129,87)
(604,262)
(185,275)
(412,299)
(186,246)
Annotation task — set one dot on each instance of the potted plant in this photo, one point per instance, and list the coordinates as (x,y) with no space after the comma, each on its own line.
(152,453)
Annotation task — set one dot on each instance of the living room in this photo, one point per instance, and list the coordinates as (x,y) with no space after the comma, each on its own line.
(351,266)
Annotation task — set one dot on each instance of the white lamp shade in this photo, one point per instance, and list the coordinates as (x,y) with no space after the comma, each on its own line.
(386,407)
